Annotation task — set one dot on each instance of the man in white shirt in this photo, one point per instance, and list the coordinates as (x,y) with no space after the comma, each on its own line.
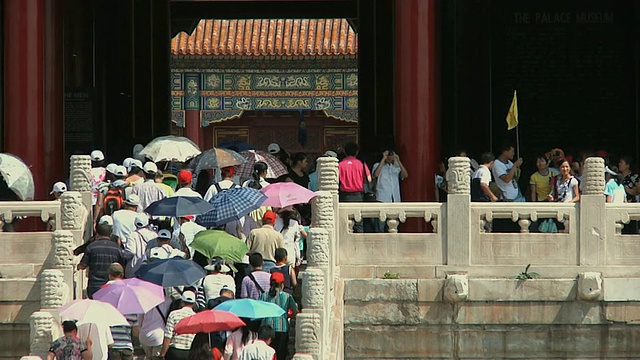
(388,173)
(163,250)
(124,220)
(149,191)
(260,349)
(176,346)
(184,183)
(137,243)
(505,173)
(227,182)
(481,178)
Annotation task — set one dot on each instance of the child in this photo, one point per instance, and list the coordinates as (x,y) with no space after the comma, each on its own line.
(280,324)
(260,350)
(282,266)
(614,190)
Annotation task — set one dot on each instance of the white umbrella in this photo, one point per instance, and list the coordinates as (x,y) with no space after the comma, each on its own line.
(17,176)
(96,312)
(170,148)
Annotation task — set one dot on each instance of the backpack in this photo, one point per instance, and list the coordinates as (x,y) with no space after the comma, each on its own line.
(113,200)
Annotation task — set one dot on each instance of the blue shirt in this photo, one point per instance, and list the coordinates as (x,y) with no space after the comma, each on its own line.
(388,182)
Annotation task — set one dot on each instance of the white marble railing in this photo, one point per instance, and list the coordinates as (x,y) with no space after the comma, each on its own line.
(47,211)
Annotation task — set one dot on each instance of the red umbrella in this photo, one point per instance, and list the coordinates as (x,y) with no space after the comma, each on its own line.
(208,321)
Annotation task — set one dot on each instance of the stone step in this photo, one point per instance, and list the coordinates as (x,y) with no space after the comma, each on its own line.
(25,247)
(27,289)
(14,340)
(20,271)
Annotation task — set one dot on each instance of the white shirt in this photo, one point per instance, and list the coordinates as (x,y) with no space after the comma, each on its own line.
(484,174)
(215,282)
(152,325)
(388,182)
(100,339)
(189,231)
(565,189)
(149,192)
(137,245)
(213,191)
(509,190)
(165,251)
(186,191)
(259,350)
(291,238)
(124,223)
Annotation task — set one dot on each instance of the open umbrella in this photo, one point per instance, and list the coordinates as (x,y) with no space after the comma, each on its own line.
(231,204)
(87,311)
(178,206)
(236,145)
(171,272)
(285,194)
(208,321)
(216,158)
(17,176)
(212,243)
(131,296)
(251,309)
(170,148)
(275,167)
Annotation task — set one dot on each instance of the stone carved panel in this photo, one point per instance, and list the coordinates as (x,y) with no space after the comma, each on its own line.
(318,252)
(593,176)
(54,292)
(308,333)
(63,245)
(459,176)
(456,288)
(43,332)
(302,357)
(73,211)
(80,173)
(589,285)
(328,174)
(323,213)
(313,288)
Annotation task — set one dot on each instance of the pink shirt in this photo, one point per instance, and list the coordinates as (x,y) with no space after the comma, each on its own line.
(350,174)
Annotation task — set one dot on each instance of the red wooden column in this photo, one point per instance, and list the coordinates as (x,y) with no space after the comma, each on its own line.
(417,123)
(192,128)
(24,133)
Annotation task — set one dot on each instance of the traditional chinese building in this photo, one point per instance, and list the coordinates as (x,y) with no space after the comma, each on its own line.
(292,82)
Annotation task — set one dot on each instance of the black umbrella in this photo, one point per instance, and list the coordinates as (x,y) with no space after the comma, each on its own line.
(178,206)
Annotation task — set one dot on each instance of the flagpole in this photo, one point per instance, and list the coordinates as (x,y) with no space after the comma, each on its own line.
(517,143)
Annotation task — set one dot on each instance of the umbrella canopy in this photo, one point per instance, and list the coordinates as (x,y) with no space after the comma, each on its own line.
(131,296)
(208,321)
(285,194)
(87,311)
(178,206)
(171,272)
(170,148)
(216,158)
(275,170)
(219,243)
(17,176)
(231,204)
(251,309)
(236,145)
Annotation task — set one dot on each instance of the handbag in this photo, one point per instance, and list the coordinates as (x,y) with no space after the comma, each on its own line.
(548,226)
(369,192)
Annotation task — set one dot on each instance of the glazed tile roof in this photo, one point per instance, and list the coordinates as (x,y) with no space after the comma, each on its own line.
(268,37)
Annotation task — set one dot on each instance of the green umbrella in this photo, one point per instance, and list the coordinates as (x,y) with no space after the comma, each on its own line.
(212,243)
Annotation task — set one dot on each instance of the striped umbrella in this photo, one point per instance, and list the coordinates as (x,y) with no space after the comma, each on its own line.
(275,170)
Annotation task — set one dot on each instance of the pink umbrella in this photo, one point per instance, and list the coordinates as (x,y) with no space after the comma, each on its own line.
(131,296)
(285,194)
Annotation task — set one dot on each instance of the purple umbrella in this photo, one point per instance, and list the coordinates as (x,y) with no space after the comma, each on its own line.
(131,296)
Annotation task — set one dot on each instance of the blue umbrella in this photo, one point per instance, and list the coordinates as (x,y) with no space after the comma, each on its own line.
(230,205)
(178,206)
(171,272)
(251,309)
(236,145)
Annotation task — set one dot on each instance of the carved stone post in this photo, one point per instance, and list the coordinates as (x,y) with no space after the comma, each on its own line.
(43,331)
(458,211)
(593,215)
(62,262)
(80,175)
(54,291)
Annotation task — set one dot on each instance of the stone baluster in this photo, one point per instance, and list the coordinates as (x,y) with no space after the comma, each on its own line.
(80,175)
(458,211)
(313,324)
(593,226)
(43,331)
(62,263)
(54,291)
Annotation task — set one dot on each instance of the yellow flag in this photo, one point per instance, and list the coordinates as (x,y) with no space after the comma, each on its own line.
(512,116)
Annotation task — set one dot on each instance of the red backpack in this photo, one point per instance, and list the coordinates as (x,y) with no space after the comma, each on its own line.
(113,200)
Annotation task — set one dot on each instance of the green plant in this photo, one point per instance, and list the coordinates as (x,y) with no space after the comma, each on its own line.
(390,275)
(525,275)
